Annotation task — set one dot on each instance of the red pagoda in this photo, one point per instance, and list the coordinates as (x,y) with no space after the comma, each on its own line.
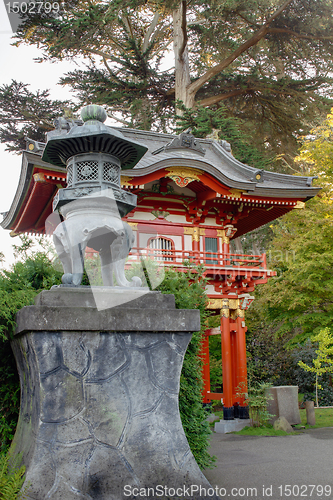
(194,197)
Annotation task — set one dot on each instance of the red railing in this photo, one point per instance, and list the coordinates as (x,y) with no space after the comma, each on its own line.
(208,259)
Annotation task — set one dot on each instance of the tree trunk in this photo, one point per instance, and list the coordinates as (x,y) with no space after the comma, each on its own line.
(182,66)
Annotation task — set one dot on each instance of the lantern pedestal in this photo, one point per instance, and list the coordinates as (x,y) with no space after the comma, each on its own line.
(99,414)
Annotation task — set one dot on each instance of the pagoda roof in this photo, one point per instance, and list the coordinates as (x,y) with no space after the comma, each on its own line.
(39,181)
(220,163)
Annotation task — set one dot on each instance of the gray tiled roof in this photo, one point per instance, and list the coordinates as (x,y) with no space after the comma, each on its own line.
(218,162)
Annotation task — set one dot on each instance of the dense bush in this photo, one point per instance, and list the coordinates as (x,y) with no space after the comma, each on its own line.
(18,287)
(11,478)
(189,291)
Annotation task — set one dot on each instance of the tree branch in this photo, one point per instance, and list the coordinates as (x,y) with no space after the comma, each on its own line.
(107,66)
(247,20)
(261,33)
(150,31)
(184,30)
(100,53)
(119,120)
(299,35)
(128,26)
(220,97)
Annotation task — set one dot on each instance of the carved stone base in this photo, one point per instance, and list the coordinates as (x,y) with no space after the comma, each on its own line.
(99,411)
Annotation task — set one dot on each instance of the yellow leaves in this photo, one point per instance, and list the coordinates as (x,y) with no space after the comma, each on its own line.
(324,361)
(317,152)
(30,32)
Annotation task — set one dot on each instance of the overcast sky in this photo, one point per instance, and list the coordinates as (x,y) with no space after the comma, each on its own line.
(18,64)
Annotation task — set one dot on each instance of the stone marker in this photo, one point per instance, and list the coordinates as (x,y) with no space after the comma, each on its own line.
(284,403)
(282,424)
(310,413)
(99,410)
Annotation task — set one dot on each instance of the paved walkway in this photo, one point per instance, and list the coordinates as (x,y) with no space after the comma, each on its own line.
(276,468)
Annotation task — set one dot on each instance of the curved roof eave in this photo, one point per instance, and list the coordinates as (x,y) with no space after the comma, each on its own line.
(218,162)
(29,162)
(265,188)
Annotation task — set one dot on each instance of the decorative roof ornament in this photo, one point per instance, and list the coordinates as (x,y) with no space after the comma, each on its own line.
(185,140)
(225,145)
(184,175)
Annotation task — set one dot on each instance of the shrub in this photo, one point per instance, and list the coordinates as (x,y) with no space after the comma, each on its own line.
(11,478)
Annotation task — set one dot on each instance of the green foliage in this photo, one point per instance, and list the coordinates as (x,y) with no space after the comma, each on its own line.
(217,123)
(305,380)
(26,114)
(11,478)
(257,398)
(267,358)
(323,362)
(189,291)
(254,57)
(298,303)
(316,153)
(294,307)
(18,287)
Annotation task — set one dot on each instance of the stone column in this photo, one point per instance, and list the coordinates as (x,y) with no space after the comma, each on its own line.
(99,414)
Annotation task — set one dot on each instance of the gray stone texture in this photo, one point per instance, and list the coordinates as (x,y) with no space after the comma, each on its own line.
(282,424)
(284,403)
(99,408)
(310,413)
(224,426)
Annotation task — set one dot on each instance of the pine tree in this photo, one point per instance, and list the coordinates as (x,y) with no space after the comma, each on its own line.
(26,114)
(267,61)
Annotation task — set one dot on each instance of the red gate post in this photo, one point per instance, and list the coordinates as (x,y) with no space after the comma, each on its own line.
(241,362)
(228,409)
(233,341)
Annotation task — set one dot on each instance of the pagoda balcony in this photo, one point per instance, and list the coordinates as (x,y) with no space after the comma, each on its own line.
(216,264)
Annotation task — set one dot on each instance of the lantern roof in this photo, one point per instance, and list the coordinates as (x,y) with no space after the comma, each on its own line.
(91,136)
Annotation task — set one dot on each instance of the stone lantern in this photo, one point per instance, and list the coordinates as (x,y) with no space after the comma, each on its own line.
(99,416)
(93,202)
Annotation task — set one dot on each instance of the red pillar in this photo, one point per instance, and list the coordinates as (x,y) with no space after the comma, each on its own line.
(228,409)
(241,361)
(233,342)
(204,354)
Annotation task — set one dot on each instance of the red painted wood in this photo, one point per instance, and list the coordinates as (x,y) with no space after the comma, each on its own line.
(241,357)
(217,396)
(234,359)
(226,362)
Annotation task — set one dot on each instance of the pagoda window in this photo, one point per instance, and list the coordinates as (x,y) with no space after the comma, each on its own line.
(211,250)
(163,248)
